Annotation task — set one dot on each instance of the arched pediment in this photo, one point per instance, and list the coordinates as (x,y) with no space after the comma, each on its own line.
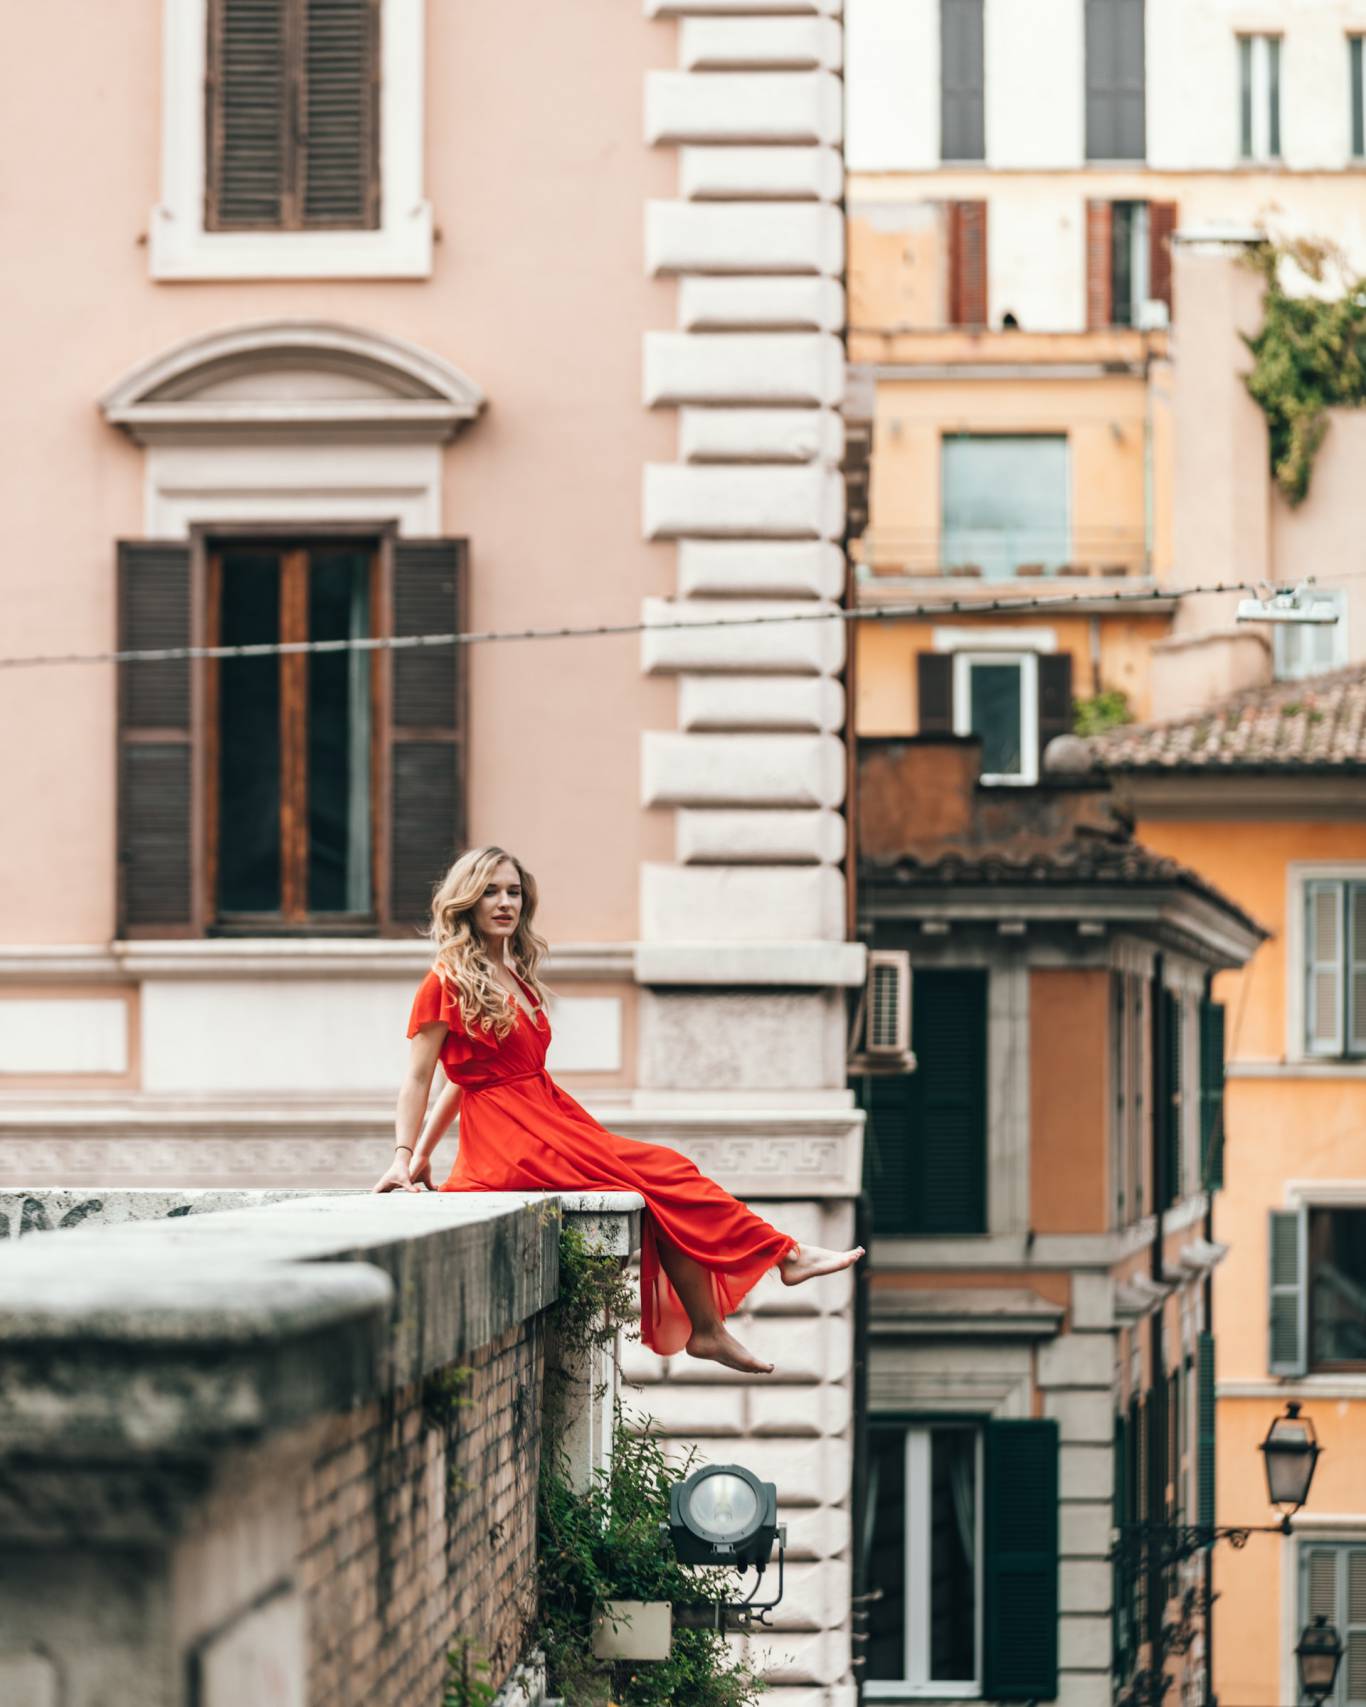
(301,379)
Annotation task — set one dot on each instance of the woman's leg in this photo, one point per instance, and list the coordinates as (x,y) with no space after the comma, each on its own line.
(710,1337)
(805,1262)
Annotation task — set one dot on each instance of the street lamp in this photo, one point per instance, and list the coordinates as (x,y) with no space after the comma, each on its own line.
(1291,1450)
(1318,1656)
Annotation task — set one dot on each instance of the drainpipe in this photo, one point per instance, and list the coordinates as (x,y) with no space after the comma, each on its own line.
(1147,454)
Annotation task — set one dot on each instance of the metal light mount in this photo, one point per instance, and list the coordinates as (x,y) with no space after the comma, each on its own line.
(1287,604)
(723,1515)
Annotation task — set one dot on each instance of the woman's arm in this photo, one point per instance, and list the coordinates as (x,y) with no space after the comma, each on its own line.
(438,1124)
(423,1053)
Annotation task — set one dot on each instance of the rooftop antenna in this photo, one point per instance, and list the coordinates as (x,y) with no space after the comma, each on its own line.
(1287,604)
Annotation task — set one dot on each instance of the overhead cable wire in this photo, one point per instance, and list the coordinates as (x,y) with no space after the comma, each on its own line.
(491,636)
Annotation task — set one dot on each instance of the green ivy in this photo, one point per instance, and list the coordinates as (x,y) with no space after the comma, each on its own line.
(1108,710)
(1310,354)
(605,1544)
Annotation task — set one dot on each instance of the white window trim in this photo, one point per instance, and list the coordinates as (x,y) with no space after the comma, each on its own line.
(1340,656)
(180,248)
(988,639)
(917,1444)
(1316,1532)
(1298,874)
(1029,710)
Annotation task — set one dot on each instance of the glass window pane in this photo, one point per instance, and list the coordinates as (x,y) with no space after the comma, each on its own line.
(339,735)
(1005,502)
(953,1555)
(249,737)
(1245,95)
(1121,263)
(886,1553)
(995,713)
(1358,106)
(1337,1286)
(1273,96)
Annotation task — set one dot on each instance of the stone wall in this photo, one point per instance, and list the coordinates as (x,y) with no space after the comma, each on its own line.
(282,1453)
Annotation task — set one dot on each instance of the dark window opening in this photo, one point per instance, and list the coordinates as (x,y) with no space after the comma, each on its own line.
(1337,1286)
(290,793)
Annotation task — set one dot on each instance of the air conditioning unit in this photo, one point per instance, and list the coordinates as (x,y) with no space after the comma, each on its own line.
(888,1030)
(882,1024)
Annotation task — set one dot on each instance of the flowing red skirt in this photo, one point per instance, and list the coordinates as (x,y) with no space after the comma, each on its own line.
(524,1133)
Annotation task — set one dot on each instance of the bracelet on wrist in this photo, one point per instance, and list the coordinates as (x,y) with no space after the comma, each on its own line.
(407,1147)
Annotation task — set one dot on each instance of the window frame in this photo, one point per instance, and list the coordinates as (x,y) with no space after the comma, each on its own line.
(1313,1365)
(1300,876)
(1028,662)
(917,1609)
(971,436)
(1260,141)
(1319,1541)
(180,244)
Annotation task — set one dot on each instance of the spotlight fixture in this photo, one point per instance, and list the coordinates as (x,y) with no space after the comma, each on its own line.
(723,1515)
(1287,604)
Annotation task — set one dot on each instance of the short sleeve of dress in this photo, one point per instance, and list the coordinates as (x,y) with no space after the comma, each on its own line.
(433,1004)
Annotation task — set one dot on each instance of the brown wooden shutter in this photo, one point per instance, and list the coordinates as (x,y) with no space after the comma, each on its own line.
(1161,230)
(424,757)
(247,105)
(1055,698)
(967,263)
(292,108)
(934,683)
(157,864)
(340,129)
(1099,286)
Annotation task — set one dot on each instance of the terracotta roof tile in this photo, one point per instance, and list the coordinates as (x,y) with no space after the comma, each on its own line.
(1315,724)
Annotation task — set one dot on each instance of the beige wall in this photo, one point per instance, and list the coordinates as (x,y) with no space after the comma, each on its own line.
(537,291)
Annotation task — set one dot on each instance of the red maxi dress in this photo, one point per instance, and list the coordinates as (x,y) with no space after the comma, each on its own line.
(520,1132)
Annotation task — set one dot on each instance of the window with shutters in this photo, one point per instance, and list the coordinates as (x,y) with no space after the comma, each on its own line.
(1334,971)
(292,141)
(962,108)
(1317,1280)
(292,791)
(1259,97)
(1115,80)
(925,1154)
(1333,1586)
(1129,263)
(1129,1076)
(926,1555)
(962,1541)
(1005,503)
(293,115)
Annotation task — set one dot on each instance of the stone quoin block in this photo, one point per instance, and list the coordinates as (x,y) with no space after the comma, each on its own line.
(743,106)
(804,1353)
(707,304)
(759,568)
(682,1408)
(799,1658)
(763,500)
(743,237)
(707,637)
(813,1596)
(741,367)
(1077,1360)
(805,1472)
(741,770)
(774,44)
(761,702)
(758,838)
(740,903)
(748,1040)
(761,435)
(819,1532)
(824,1410)
(760,174)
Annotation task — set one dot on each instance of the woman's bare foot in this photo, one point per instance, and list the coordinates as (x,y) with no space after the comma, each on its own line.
(716,1345)
(805,1262)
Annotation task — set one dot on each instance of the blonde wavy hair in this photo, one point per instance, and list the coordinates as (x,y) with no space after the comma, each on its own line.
(463,963)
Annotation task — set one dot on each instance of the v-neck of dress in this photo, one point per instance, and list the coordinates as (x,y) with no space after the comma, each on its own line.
(533,1015)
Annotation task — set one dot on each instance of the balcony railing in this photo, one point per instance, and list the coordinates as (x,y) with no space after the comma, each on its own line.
(988,554)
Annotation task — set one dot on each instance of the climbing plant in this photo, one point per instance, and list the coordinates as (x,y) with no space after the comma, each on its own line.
(1309,353)
(1106,710)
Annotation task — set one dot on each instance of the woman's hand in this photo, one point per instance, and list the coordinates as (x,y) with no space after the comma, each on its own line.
(399,1176)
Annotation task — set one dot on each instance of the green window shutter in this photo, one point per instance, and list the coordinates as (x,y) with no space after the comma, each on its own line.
(888,1174)
(1205,1431)
(949,1138)
(1169,1108)
(1212,1094)
(1020,1566)
(1289,1292)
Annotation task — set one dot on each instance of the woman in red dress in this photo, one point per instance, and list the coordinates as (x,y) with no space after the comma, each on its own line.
(480,1011)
